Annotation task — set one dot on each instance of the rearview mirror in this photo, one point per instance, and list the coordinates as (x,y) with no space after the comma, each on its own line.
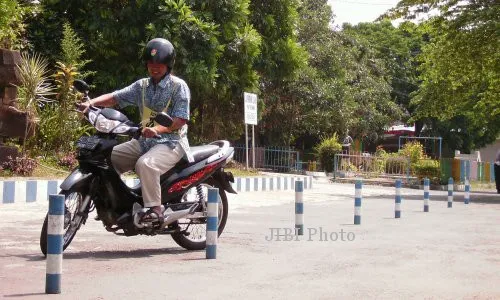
(164,119)
(81,86)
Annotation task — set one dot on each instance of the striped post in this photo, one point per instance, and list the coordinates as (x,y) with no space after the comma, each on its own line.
(397,212)
(212,222)
(450,192)
(299,208)
(55,231)
(467,192)
(426,194)
(357,202)
(492,172)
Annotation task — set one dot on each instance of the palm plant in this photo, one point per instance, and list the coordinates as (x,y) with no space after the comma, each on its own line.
(35,88)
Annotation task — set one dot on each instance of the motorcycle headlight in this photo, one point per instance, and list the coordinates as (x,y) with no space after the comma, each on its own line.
(104,125)
(92,117)
(122,128)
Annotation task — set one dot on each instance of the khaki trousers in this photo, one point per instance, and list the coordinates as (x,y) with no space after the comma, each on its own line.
(149,166)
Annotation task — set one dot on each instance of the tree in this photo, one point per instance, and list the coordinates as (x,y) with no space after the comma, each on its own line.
(459,68)
(344,87)
(398,48)
(216,49)
(12,27)
(281,61)
(369,90)
(215,43)
(111,32)
(321,85)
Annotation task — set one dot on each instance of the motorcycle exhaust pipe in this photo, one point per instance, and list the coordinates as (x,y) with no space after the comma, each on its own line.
(169,215)
(172,216)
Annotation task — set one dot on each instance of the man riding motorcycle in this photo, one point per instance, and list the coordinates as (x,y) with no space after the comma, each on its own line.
(159,148)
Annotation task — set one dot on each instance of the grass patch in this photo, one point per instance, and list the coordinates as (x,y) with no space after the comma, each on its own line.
(47,168)
(242,172)
(482,185)
(48,172)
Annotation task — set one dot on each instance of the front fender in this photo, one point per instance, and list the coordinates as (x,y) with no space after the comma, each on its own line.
(75,179)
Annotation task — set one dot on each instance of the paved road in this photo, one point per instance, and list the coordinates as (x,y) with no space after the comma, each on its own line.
(444,254)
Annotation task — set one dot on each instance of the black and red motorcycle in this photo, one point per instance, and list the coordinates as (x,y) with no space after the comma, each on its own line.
(95,185)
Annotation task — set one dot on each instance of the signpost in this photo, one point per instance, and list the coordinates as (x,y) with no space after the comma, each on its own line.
(250,101)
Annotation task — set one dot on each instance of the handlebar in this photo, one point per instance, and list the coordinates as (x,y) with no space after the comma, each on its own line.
(135,131)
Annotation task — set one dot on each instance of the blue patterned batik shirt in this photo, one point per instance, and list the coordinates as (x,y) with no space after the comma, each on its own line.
(156,98)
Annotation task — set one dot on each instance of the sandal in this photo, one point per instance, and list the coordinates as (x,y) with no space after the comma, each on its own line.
(153,215)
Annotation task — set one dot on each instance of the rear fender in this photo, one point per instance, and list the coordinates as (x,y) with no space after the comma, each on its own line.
(225,179)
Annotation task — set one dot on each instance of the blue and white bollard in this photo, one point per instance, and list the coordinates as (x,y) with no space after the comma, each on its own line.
(426,194)
(450,192)
(299,208)
(357,202)
(212,223)
(467,192)
(397,212)
(55,232)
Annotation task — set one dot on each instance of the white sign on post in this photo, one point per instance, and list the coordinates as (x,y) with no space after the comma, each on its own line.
(250,108)
(250,101)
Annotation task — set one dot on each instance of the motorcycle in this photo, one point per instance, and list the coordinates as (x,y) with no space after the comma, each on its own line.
(96,185)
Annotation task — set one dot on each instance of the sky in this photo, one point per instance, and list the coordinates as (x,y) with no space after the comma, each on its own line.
(355,11)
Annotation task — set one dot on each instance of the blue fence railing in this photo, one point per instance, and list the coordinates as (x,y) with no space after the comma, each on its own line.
(279,159)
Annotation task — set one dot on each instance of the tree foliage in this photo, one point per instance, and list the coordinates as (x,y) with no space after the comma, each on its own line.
(215,43)
(459,69)
(50,99)
(280,64)
(344,87)
(312,81)
(398,48)
(12,25)
(216,48)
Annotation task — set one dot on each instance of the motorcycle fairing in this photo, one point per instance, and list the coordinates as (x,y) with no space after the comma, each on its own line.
(76,178)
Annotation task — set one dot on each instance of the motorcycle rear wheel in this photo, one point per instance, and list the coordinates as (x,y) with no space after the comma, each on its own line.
(191,242)
(72,221)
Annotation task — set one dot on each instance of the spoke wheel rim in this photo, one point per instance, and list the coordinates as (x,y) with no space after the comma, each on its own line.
(71,220)
(198,229)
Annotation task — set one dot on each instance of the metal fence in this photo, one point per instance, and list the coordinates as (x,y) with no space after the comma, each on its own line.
(369,166)
(461,169)
(438,170)
(279,159)
(286,159)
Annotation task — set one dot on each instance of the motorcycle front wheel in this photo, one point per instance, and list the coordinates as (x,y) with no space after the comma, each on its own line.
(72,221)
(192,235)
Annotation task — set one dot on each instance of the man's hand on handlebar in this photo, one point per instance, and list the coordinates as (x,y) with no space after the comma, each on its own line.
(150,132)
(105,100)
(83,106)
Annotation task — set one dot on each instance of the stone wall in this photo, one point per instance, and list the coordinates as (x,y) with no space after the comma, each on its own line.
(12,120)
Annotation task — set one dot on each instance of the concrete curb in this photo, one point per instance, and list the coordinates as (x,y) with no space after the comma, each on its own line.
(27,191)
(433,187)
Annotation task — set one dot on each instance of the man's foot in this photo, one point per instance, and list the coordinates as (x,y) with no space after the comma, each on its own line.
(153,215)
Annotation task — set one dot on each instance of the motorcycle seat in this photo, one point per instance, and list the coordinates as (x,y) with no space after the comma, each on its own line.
(199,153)
(202,152)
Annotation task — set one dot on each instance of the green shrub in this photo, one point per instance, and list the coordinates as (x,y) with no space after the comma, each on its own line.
(380,159)
(414,150)
(12,25)
(59,125)
(380,152)
(427,168)
(326,151)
